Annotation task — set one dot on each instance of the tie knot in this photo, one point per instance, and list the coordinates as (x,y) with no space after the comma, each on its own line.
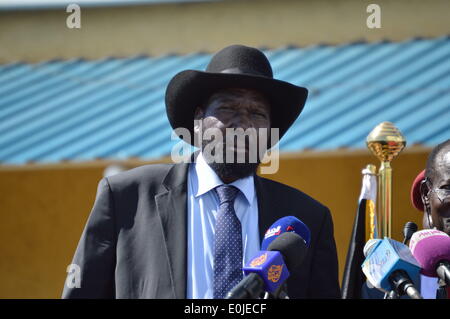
(226,193)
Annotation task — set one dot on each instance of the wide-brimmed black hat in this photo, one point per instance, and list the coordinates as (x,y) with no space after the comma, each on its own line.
(235,66)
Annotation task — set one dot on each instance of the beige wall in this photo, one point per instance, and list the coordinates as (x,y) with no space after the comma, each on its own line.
(43,210)
(192,27)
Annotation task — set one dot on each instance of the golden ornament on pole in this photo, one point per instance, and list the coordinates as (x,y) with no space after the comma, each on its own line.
(386,142)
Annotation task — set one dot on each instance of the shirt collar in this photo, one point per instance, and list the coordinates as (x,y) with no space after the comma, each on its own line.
(208,180)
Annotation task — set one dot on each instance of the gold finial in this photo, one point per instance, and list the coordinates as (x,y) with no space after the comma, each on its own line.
(386,141)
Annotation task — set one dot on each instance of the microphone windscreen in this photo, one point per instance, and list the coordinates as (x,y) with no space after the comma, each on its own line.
(292,247)
(409,229)
(429,247)
(286,224)
(387,258)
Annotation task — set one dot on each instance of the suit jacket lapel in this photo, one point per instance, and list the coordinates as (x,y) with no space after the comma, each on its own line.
(267,208)
(172,208)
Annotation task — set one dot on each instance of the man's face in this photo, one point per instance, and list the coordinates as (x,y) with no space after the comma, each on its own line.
(440,205)
(236,109)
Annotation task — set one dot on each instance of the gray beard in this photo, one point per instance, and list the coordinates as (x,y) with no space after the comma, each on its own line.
(232,170)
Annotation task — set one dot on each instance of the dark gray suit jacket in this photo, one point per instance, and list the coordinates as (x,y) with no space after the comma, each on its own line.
(134,244)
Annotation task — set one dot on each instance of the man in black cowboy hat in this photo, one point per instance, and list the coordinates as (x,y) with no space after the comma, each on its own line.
(185,230)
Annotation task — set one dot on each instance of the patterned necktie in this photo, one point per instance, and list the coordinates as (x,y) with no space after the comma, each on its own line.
(227,243)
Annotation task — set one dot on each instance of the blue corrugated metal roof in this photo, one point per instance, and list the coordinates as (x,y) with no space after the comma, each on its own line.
(114,108)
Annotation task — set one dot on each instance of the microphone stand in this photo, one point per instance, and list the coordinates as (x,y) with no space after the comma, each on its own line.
(441,293)
(280,293)
(391,295)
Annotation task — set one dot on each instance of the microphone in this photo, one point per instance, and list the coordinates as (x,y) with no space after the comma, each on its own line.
(286,224)
(408,230)
(268,270)
(370,246)
(390,265)
(431,248)
(282,225)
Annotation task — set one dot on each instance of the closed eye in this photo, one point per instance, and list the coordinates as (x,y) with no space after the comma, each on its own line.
(226,108)
(260,114)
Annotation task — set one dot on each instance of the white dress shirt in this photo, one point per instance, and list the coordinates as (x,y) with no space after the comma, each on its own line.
(202,209)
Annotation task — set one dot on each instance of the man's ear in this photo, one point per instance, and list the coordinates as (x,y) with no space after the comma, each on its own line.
(198,116)
(424,191)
